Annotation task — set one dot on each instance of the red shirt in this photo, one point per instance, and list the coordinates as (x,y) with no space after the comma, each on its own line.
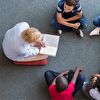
(64,95)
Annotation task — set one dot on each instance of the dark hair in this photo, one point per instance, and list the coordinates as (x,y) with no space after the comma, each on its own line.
(61,83)
(71,2)
(97,84)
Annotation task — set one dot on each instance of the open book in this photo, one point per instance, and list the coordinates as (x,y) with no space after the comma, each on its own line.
(51,42)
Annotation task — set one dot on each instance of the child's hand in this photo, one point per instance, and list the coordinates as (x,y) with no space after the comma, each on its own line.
(79,69)
(95,75)
(76,25)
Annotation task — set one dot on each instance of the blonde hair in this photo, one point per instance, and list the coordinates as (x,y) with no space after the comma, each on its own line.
(30,35)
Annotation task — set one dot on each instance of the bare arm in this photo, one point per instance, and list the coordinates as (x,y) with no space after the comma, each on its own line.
(54,81)
(96,75)
(65,72)
(78,16)
(77,71)
(62,21)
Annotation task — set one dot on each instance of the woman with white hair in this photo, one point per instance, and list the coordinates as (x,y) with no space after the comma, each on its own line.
(22,44)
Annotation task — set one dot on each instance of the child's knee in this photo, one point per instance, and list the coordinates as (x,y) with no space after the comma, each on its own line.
(52,22)
(84,22)
(82,77)
(84,25)
(96,21)
(48,72)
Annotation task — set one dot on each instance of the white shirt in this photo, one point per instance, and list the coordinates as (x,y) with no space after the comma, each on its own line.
(15,48)
(95,94)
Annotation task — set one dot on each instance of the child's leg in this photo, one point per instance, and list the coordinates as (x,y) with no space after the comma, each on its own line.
(96,21)
(58,26)
(79,83)
(55,74)
(50,76)
(83,22)
(85,91)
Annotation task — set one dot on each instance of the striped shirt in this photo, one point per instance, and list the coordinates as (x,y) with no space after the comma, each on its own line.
(60,8)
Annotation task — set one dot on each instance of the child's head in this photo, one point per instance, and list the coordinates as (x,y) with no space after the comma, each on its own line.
(31,35)
(61,83)
(97,84)
(69,5)
(94,79)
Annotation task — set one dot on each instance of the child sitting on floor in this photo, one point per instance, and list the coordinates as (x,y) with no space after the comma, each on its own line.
(69,16)
(91,88)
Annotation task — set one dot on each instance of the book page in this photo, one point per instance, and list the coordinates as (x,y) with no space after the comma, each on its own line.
(49,51)
(51,42)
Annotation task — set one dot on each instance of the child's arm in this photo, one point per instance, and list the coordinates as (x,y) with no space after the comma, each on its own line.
(65,72)
(77,71)
(78,16)
(96,75)
(62,21)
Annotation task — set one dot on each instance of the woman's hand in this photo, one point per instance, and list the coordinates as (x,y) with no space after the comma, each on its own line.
(40,44)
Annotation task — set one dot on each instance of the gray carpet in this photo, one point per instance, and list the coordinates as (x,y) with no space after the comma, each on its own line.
(22,83)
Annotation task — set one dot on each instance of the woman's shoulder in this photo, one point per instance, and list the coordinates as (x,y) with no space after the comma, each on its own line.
(19,27)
